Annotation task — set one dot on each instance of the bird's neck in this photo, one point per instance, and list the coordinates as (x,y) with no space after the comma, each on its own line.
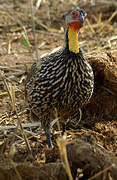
(72,40)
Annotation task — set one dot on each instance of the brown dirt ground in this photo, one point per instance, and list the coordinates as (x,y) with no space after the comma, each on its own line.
(98,39)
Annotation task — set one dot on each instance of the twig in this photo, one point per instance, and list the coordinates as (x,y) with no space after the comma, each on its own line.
(108,21)
(4,94)
(16,171)
(11,93)
(28,125)
(12,98)
(5,83)
(50,33)
(101,172)
(23,134)
(62,148)
(38,4)
(112,16)
(34,34)
(12,68)
(58,124)
(90,26)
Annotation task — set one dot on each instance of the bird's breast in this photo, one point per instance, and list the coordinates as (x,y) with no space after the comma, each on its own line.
(76,86)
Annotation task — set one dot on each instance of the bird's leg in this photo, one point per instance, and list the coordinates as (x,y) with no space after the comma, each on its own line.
(63,128)
(47,133)
(62,119)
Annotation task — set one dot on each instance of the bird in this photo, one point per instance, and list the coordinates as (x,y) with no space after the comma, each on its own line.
(64,81)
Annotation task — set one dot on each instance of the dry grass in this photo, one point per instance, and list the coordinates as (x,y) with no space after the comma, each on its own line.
(98,35)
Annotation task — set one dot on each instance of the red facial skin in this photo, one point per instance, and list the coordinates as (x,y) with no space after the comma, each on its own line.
(76,25)
(75,14)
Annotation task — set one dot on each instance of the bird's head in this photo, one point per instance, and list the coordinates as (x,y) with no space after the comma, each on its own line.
(76,19)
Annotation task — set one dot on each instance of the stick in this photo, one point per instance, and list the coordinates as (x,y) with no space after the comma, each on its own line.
(34,34)
(28,125)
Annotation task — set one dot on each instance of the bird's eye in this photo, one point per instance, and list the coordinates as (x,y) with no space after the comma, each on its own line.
(75,14)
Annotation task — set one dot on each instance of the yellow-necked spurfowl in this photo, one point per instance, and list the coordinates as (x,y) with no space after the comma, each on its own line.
(64,81)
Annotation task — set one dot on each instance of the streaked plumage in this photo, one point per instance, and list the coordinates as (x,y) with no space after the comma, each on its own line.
(64,81)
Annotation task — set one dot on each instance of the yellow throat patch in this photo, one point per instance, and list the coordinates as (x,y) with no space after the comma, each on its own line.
(73,40)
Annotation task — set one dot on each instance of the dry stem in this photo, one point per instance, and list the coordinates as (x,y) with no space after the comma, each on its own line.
(101,172)
(62,148)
